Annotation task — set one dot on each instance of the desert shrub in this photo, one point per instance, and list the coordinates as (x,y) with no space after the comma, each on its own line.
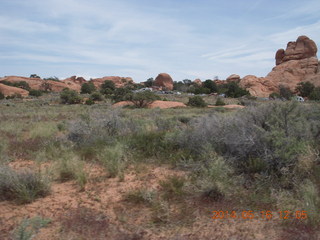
(271,135)
(173,186)
(220,102)
(113,159)
(23,187)
(150,144)
(88,88)
(89,102)
(160,212)
(315,94)
(120,94)
(233,90)
(142,99)
(140,196)
(16,95)
(274,95)
(107,87)
(309,194)
(29,227)
(196,101)
(100,127)
(285,92)
(96,96)
(68,96)
(34,76)
(211,85)
(201,90)
(20,84)
(305,88)
(1,96)
(35,93)
(70,168)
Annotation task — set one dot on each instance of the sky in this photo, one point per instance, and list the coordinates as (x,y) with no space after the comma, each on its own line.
(188,39)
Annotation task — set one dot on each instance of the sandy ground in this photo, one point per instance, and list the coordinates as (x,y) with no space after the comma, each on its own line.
(155,104)
(104,198)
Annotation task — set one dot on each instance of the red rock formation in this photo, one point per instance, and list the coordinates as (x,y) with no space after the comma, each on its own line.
(303,48)
(164,81)
(197,82)
(118,81)
(9,91)
(297,64)
(233,78)
(40,84)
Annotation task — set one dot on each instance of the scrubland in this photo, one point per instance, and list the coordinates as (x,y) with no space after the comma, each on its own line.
(95,172)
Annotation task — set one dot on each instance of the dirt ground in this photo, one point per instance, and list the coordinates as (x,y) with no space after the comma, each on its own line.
(102,212)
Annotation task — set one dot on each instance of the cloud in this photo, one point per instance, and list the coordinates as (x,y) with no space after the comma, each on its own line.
(14,24)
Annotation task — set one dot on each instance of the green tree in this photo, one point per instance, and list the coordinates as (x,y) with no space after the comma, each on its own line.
(120,94)
(34,76)
(197,101)
(305,88)
(149,82)
(96,96)
(88,88)
(315,94)
(210,85)
(285,92)
(35,93)
(220,102)
(68,96)
(235,91)
(142,99)
(107,87)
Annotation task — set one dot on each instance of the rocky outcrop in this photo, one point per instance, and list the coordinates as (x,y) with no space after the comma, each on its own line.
(233,78)
(197,82)
(164,81)
(298,63)
(10,91)
(303,48)
(40,84)
(118,81)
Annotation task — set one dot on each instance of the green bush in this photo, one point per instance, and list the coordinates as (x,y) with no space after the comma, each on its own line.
(220,102)
(108,87)
(89,102)
(23,187)
(142,99)
(305,88)
(285,92)
(29,227)
(315,94)
(88,88)
(197,101)
(96,96)
(35,93)
(272,136)
(233,90)
(120,94)
(1,96)
(20,84)
(274,96)
(68,96)
(211,85)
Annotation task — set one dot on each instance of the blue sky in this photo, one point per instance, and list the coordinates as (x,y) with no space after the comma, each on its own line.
(141,38)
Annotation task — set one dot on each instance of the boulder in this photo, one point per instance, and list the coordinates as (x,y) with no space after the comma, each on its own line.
(298,63)
(303,48)
(233,78)
(118,81)
(164,81)
(9,91)
(197,82)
